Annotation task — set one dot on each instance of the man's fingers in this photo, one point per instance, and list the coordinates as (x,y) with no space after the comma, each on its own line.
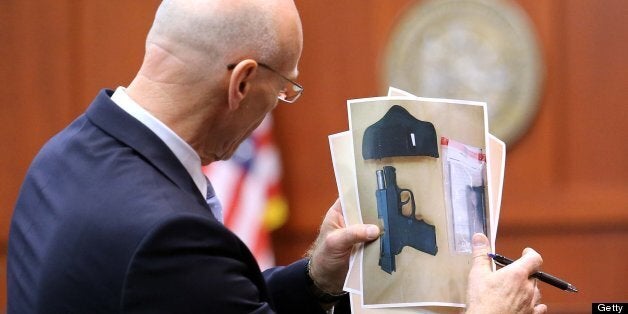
(480,270)
(530,261)
(481,248)
(540,309)
(361,233)
(536,299)
(337,206)
(344,239)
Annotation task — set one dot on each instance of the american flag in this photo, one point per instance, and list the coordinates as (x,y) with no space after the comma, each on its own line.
(248,187)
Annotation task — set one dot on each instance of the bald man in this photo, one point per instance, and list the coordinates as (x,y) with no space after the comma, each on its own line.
(115,215)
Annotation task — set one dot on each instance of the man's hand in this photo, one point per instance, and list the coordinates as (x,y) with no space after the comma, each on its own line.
(329,256)
(507,290)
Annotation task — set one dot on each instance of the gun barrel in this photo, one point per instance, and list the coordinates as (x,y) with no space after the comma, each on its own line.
(380,179)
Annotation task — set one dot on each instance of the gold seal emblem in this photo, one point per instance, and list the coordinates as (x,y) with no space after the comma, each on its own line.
(481,50)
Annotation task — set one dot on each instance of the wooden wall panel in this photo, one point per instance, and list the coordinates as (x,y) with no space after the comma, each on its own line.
(590,259)
(596,79)
(566,190)
(35,77)
(111,43)
(30,65)
(576,211)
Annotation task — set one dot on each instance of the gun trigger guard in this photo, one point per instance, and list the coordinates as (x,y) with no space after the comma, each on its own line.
(410,199)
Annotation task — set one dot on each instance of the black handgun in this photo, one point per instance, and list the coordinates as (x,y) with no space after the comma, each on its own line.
(399,230)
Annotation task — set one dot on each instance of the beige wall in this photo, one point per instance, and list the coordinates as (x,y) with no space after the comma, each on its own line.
(566,191)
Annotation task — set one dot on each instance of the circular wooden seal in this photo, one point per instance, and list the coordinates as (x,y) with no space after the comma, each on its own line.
(482,50)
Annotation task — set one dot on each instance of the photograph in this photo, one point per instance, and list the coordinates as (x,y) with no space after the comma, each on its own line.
(401,187)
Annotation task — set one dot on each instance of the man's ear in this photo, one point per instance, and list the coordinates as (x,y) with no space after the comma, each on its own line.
(240,82)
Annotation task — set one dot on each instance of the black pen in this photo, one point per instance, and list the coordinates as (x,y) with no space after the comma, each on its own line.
(542,276)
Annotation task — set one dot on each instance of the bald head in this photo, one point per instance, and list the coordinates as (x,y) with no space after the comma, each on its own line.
(217,32)
(186,83)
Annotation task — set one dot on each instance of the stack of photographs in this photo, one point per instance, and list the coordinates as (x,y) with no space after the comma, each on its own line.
(428,172)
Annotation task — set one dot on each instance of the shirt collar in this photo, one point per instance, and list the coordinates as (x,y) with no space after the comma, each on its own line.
(182,150)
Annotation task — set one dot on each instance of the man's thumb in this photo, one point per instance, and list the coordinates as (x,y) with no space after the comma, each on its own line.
(481,262)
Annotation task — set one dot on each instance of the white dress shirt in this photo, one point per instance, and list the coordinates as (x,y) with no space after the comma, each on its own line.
(182,150)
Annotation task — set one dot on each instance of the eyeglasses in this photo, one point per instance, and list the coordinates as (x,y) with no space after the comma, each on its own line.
(291,89)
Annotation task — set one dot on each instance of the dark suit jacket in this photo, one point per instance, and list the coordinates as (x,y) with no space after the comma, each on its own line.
(109,221)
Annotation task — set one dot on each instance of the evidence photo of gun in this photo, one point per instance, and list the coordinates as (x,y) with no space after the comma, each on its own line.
(399,230)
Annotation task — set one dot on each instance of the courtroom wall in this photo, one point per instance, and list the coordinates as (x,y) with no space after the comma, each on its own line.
(566,191)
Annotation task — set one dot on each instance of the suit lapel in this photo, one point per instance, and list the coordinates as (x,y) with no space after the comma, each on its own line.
(105,114)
